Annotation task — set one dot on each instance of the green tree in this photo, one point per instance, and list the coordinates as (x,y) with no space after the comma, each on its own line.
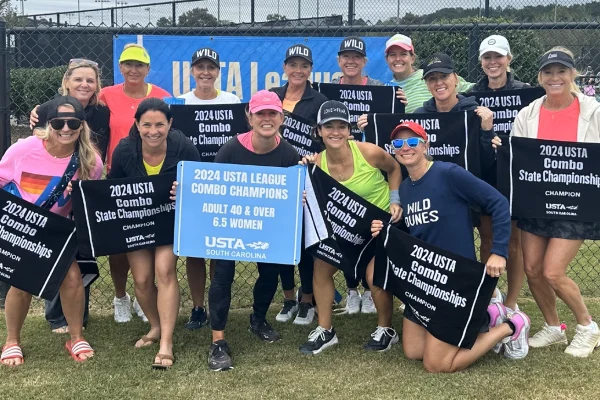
(276,17)
(164,22)
(197,17)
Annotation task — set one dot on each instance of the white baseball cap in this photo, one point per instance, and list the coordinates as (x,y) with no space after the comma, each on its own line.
(496,43)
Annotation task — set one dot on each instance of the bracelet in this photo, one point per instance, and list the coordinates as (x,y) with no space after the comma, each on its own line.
(394,197)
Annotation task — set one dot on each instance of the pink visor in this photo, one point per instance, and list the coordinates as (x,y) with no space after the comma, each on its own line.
(265,100)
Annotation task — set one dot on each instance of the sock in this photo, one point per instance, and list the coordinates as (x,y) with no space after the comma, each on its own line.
(592,327)
(556,328)
(512,326)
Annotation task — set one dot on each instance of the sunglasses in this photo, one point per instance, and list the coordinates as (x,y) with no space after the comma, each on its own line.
(412,142)
(82,61)
(58,124)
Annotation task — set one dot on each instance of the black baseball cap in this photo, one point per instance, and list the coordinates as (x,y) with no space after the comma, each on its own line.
(556,57)
(299,50)
(331,111)
(78,111)
(353,43)
(439,62)
(206,53)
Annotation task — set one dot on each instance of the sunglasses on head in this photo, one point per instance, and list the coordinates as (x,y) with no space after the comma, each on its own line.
(58,124)
(82,61)
(412,142)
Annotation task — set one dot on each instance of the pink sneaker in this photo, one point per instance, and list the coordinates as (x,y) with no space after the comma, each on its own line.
(497,313)
(517,346)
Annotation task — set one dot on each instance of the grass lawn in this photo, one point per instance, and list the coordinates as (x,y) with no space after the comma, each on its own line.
(279,371)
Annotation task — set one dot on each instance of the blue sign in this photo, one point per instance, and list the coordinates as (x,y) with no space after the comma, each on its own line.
(239,212)
(248,64)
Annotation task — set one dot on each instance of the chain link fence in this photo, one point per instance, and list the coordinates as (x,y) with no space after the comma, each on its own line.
(38,47)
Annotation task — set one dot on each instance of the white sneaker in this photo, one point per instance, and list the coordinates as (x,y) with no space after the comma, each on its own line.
(122,308)
(548,336)
(353,302)
(290,307)
(517,346)
(401,307)
(498,297)
(306,314)
(368,305)
(138,310)
(586,339)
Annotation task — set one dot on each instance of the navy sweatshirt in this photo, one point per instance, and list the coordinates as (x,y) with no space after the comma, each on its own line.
(436,209)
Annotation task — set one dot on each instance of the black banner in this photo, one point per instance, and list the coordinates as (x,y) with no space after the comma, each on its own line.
(506,104)
(121,215)
(550,179)
(447,293)
(449,135)
(210,126)
(297,131)
(37,246)
(362,99)
(337,223)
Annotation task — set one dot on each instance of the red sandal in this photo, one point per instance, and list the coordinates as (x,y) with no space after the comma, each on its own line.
(77,348)
(11,351)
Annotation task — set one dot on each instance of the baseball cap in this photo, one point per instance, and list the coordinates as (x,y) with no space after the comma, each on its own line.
(333,110)
(264,100)
(299,50)
(556,57)
(78,111)
(353,43)
(438,62)
(496,43)
(135,53)
(411,126)
(401,41)
(206,53)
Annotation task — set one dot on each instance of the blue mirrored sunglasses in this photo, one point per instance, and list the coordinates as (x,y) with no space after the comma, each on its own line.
(412,142)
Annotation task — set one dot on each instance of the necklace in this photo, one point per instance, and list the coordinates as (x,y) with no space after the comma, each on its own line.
(341,174)
(429,164)
(65,156)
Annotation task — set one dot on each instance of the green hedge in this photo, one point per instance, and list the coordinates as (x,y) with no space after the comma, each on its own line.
(32,86)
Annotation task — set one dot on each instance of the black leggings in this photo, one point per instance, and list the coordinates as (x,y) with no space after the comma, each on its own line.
(219,294)
(352,282)
(305,268)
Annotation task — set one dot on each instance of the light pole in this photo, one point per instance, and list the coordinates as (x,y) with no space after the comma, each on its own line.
(102,8)
(22,6)
(122,3)
(148,9)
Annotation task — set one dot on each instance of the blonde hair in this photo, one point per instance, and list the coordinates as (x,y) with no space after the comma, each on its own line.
(139,46)
(94,100)
(573,86)
(87,150)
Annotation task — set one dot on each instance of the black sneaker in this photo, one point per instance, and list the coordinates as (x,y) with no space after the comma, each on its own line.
(197,319)
(382,339)
(219,356)
(319,340)
(263,330)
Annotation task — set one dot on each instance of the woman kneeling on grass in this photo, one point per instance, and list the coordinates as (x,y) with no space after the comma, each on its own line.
(356,166)
(451,189)
(153,148)
(62,149)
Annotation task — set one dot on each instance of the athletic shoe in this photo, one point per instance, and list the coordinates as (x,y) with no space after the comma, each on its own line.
(290,307)
(497,313)
(401,307)
(586,339)
(306,314)
(319,340)
(368,305)
(122,308)
(548,336)
(263,330)
(219,356)
(497,297)
(353,302)
(138,310)
(517,347)
(197,319)
(382,339)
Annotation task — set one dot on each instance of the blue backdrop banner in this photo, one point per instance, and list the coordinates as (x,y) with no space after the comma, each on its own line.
(239,212)
(248,64)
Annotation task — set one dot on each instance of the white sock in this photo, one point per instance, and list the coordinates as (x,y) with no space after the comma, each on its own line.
(122,298)
(556,328)
(592,327)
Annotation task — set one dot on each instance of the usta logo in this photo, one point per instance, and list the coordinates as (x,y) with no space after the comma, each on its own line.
(224,243)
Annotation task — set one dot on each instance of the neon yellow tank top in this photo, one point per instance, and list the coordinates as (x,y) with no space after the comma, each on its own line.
(150,170)
(367,181)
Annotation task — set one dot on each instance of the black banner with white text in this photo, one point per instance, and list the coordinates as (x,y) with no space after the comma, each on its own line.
(121,215)
(453,136)
(448,294)
(337,223)
(37,246)
(210,126)
(298,132)
(362,99)
(550,179)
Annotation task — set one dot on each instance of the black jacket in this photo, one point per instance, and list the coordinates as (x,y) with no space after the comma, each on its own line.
(511,83)
(309,104)
(488,155)
(127,160)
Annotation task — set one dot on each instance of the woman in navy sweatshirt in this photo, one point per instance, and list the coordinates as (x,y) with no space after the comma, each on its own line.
(449,189)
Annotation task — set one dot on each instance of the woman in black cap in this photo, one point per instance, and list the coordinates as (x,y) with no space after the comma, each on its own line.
(298,97)
(352,59)
(549,245)
(55,156)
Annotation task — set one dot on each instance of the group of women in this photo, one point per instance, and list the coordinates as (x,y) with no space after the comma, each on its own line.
(128,127)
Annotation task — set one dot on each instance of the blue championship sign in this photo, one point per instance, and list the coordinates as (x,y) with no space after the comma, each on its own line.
(239,212)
